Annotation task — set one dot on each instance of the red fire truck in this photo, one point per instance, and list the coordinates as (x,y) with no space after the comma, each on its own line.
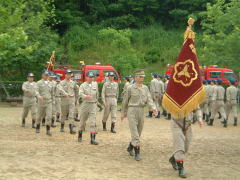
(211,72)
(80,74)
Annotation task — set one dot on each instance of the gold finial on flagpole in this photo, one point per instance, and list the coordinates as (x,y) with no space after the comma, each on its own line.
(189,33)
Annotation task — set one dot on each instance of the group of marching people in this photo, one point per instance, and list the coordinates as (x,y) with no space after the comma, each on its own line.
(220,102)
(51,99)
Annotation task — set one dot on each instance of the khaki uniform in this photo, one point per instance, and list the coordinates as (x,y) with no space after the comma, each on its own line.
(211,89)
(68,88)
(110,94)
(205,104)
(157,90)
(133,106)
(44,90)
(54,113)
(231,105)
(29,99)
(57,93)
(182,135)
(218,99)
(125,88)
(89,106)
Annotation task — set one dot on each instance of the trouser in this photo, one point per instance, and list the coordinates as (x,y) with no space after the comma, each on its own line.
(181,140)
(88,111)
(231,108)
(44,110)
(211,106)
(136,121)
(32,107)
(54,112)
(111,107)
(156,101)
(218,107)
(67,109)
(205,108)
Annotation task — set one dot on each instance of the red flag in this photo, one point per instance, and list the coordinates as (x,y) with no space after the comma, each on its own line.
(185,90)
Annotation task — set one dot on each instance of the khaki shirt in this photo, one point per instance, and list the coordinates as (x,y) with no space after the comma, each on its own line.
(89,89)
(137,97)
(231,94)
(206,88)
(162,87)
(211,89)
(45,90)
(125,88)
(110,89)
(219,93)
(29,89)
(165,85)
(69,88)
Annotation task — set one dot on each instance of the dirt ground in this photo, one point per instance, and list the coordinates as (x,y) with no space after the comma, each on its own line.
(214,152)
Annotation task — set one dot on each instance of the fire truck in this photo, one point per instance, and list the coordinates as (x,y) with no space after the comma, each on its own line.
(211,72)
(79,74)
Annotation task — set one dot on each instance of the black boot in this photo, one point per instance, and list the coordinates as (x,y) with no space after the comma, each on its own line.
(220,116)
(173,162)
(58,118)
(53,125)
(79,136)
(168,116)
(38,128)
(72,129)
(93,137)
(158,116)
(164,113)
(113,128)
(204,116)
(149,114)
(235,121)
(130,149)
(23,122)
(211,122)
(137,153)
(104,126)
(225,123)
(43,122)
(33,124)
(182,173)
(48,130)
(62,127)
(207,118)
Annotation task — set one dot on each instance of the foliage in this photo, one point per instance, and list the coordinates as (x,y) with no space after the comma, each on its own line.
(221,35)
(24,36)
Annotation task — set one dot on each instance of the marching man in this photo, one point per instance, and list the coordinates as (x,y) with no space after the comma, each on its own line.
(136,98)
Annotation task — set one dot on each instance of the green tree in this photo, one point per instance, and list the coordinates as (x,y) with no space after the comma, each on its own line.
(221,35)
(24,35)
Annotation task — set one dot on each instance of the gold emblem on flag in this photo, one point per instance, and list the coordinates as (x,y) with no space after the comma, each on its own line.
(185,73)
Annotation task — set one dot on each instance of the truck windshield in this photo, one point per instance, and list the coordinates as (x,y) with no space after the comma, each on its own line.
(215,74)
(95,71)
(228,75)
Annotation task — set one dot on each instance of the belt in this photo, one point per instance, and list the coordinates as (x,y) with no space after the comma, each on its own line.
(89,102)
(111,96)
(137,106)
(220,99)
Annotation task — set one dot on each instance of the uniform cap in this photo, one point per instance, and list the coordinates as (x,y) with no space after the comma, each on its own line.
(68,71)
(45,72)
(111,74)
(219,80)
(232,80)
(90,74)
(140,73)
(30,75)
(159,76)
